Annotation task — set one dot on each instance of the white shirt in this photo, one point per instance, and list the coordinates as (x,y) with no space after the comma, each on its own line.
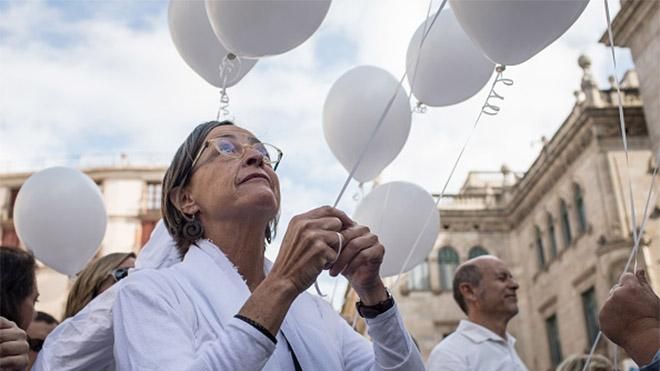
(84,342)
(182,318)
(473,347)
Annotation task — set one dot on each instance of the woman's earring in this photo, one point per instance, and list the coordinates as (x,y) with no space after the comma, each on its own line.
(192,228)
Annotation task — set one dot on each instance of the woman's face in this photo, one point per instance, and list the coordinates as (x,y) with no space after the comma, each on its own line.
(223,187)
(27,308)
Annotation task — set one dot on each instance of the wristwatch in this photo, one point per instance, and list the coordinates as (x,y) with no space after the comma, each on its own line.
(371,311)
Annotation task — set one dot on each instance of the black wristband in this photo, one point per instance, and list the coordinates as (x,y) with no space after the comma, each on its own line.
(372,311)
(258,326)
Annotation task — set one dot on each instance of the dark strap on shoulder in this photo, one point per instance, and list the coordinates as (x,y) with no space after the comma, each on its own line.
(296,364)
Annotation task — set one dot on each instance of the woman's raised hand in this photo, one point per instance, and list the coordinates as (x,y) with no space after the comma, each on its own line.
(360,261)
(309,245)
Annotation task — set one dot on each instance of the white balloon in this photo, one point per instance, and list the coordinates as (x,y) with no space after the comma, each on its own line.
(195,41)
(352,109)
(451,68)
(398,212)
(259,28)
(511,31)
(60,216)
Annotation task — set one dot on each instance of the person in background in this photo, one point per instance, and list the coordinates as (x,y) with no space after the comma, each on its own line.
(41,326)
(84,341)
(96,278)
(630,318)
(485,290)
(18,294)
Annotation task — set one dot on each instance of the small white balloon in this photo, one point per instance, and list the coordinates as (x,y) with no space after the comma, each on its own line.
(354,105)
(451,68)
(195,41)
(60,216)
(512,31)
(404,217)
(259,28)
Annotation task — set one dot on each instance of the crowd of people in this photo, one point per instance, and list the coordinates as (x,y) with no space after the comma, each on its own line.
(202,296)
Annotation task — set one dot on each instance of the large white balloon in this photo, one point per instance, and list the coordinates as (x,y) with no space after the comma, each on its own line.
(60,216)
(259,28)
(398,212)
(512,31)
(352,110)
(451,68)
(197,44)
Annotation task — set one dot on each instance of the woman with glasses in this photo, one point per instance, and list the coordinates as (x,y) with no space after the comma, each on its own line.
(97,277)
(225,307)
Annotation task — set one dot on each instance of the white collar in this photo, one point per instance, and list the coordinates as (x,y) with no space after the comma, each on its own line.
(478,333)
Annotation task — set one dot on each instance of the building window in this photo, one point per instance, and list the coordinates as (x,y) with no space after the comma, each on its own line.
(565,223)
(553,340)
(579,208)
(448,261)
(477,251)
(419,278)
(590,314)
(153,196)
(552,236)
(539,246)
(13,193)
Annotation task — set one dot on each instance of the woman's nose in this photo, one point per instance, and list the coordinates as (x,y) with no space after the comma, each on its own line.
(252,157)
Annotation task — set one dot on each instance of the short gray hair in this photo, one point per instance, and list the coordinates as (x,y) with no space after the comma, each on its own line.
(467,273)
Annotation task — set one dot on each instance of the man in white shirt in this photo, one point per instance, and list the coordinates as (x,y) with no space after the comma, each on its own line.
(486,291)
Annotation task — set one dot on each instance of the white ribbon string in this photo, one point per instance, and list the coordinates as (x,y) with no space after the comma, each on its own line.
(385,112)
(387,107)
(624,138)
(230,63)
(488,108)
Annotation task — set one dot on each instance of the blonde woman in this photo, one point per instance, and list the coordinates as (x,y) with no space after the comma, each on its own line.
(97,277)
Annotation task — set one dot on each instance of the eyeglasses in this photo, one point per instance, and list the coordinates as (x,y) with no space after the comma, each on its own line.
(119,273)
(36,344)
(231,148)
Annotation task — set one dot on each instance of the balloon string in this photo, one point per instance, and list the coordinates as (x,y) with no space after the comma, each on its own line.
(622,122)
(633,253)
(230,63)
(488,108)
(622,128)
(382,118)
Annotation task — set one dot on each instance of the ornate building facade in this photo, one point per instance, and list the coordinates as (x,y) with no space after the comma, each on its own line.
(131,194)
(563,227)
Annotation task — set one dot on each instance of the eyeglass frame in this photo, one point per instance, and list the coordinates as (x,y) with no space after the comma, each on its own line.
(117,275)
(267,160)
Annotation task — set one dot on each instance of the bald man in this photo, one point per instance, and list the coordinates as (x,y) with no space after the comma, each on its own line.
(485,290)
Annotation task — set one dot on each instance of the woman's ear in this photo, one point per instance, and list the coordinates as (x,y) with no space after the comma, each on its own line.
(183,200)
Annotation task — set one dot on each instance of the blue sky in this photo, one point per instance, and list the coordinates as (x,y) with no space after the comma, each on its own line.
(103,77)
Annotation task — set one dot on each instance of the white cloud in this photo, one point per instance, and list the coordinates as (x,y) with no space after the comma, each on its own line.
(94,84)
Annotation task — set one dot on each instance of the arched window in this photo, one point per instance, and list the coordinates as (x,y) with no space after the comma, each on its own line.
(552,236)
(539,246)
(448,261)
(579,208)
(565,223)
(419,278)
(477,251)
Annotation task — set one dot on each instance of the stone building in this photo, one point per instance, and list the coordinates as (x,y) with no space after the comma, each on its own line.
(563,227)
(637,26)
(131,193)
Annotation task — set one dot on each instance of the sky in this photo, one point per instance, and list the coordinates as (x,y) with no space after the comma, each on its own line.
(97,78)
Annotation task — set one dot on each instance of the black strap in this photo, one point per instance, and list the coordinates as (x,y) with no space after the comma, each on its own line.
(296,364)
